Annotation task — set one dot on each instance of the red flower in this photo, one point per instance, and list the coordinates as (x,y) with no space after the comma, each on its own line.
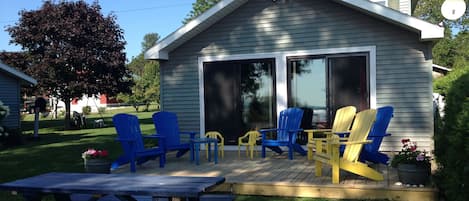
(94,153)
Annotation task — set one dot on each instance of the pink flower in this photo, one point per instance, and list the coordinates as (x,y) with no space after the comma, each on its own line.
(420,157)
(94,153)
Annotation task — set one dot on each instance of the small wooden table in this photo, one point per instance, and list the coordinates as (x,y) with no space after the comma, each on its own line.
(195,149)
(123,186)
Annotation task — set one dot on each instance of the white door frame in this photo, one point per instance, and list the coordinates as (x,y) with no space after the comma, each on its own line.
(281,72)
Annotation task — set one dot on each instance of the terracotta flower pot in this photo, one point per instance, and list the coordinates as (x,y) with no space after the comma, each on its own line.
(97,166)
(413,174)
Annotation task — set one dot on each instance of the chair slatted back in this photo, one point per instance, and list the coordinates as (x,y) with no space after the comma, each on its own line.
(360,129)
(378,131)
(343,119)
(166,124)
(289,119)
(128,127)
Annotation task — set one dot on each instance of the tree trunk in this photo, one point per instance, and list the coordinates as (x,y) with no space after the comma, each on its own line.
(67,114)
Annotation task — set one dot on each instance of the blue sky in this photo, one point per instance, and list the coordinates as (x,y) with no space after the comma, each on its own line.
(135,17)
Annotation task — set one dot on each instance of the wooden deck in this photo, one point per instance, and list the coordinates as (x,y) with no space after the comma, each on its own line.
(277,176)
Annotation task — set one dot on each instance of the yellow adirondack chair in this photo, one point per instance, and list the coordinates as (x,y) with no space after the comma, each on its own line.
(249,140)
(220,144)
(353,145)
(342,122)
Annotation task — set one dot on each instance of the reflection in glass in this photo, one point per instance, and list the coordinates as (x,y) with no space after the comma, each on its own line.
(239,96)
(256,91)
(308,88)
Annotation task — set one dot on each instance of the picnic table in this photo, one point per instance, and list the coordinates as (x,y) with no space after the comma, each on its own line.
(122,186)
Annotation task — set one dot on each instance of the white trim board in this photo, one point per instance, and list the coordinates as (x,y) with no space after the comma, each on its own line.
(281,72)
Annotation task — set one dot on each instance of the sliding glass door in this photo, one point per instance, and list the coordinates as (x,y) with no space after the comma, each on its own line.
(239,96)
(322,84)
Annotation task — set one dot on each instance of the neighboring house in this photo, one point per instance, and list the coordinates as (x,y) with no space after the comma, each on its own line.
(10,85)
(95,102)
(405,6)
(439,71)
(235,67)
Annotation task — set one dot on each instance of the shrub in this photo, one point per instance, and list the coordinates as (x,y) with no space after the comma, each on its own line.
(452,142)
(86,110)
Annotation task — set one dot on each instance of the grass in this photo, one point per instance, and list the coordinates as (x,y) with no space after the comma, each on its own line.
(58,150)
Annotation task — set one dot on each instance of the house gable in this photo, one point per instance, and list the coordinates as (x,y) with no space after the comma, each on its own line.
(10,82)
(18,74)
(160,51)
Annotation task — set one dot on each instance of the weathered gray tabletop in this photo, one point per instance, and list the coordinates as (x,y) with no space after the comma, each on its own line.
(123,186)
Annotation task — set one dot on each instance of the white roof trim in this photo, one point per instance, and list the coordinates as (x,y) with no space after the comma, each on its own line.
(441,67)
(17,73)
(428,31)
(161,50)
(198,24)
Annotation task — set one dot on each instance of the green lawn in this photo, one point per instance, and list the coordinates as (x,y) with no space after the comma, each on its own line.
(60,151)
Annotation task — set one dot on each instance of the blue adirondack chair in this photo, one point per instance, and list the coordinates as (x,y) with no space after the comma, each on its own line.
(370,152)
(130,136)
(288,128)
(166,125)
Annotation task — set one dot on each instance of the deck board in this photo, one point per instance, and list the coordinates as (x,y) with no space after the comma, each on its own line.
(277,176)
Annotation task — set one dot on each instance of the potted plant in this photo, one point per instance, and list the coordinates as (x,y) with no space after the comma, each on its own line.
(96,161)
(413,166)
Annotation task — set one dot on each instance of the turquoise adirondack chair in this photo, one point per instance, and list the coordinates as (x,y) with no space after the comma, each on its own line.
(370,151)
(286,133)
(131,138)
(167,126)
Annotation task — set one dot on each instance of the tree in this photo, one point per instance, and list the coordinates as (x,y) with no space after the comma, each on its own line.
(73,50)
(445,50)
(145,76)
(430,10)
(199,7)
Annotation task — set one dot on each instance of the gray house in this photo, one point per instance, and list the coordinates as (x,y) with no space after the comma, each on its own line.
(235,67)
(10,85)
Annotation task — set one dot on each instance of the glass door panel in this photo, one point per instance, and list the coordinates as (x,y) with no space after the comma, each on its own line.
(257,92)
(239,96)
(307,81)
(322,84)
(348,83)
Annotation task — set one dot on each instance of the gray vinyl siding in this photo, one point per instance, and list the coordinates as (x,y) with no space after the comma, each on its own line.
(10,96)
(403,62)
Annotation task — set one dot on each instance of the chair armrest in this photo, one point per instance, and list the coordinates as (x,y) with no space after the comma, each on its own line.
(295,130)
(264,132)
(153,136)
(387,134)
(268,130)
(243,137)
(355,142)
(191,133)
(318,130)
(321,139)
(342,133)
(125,139)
